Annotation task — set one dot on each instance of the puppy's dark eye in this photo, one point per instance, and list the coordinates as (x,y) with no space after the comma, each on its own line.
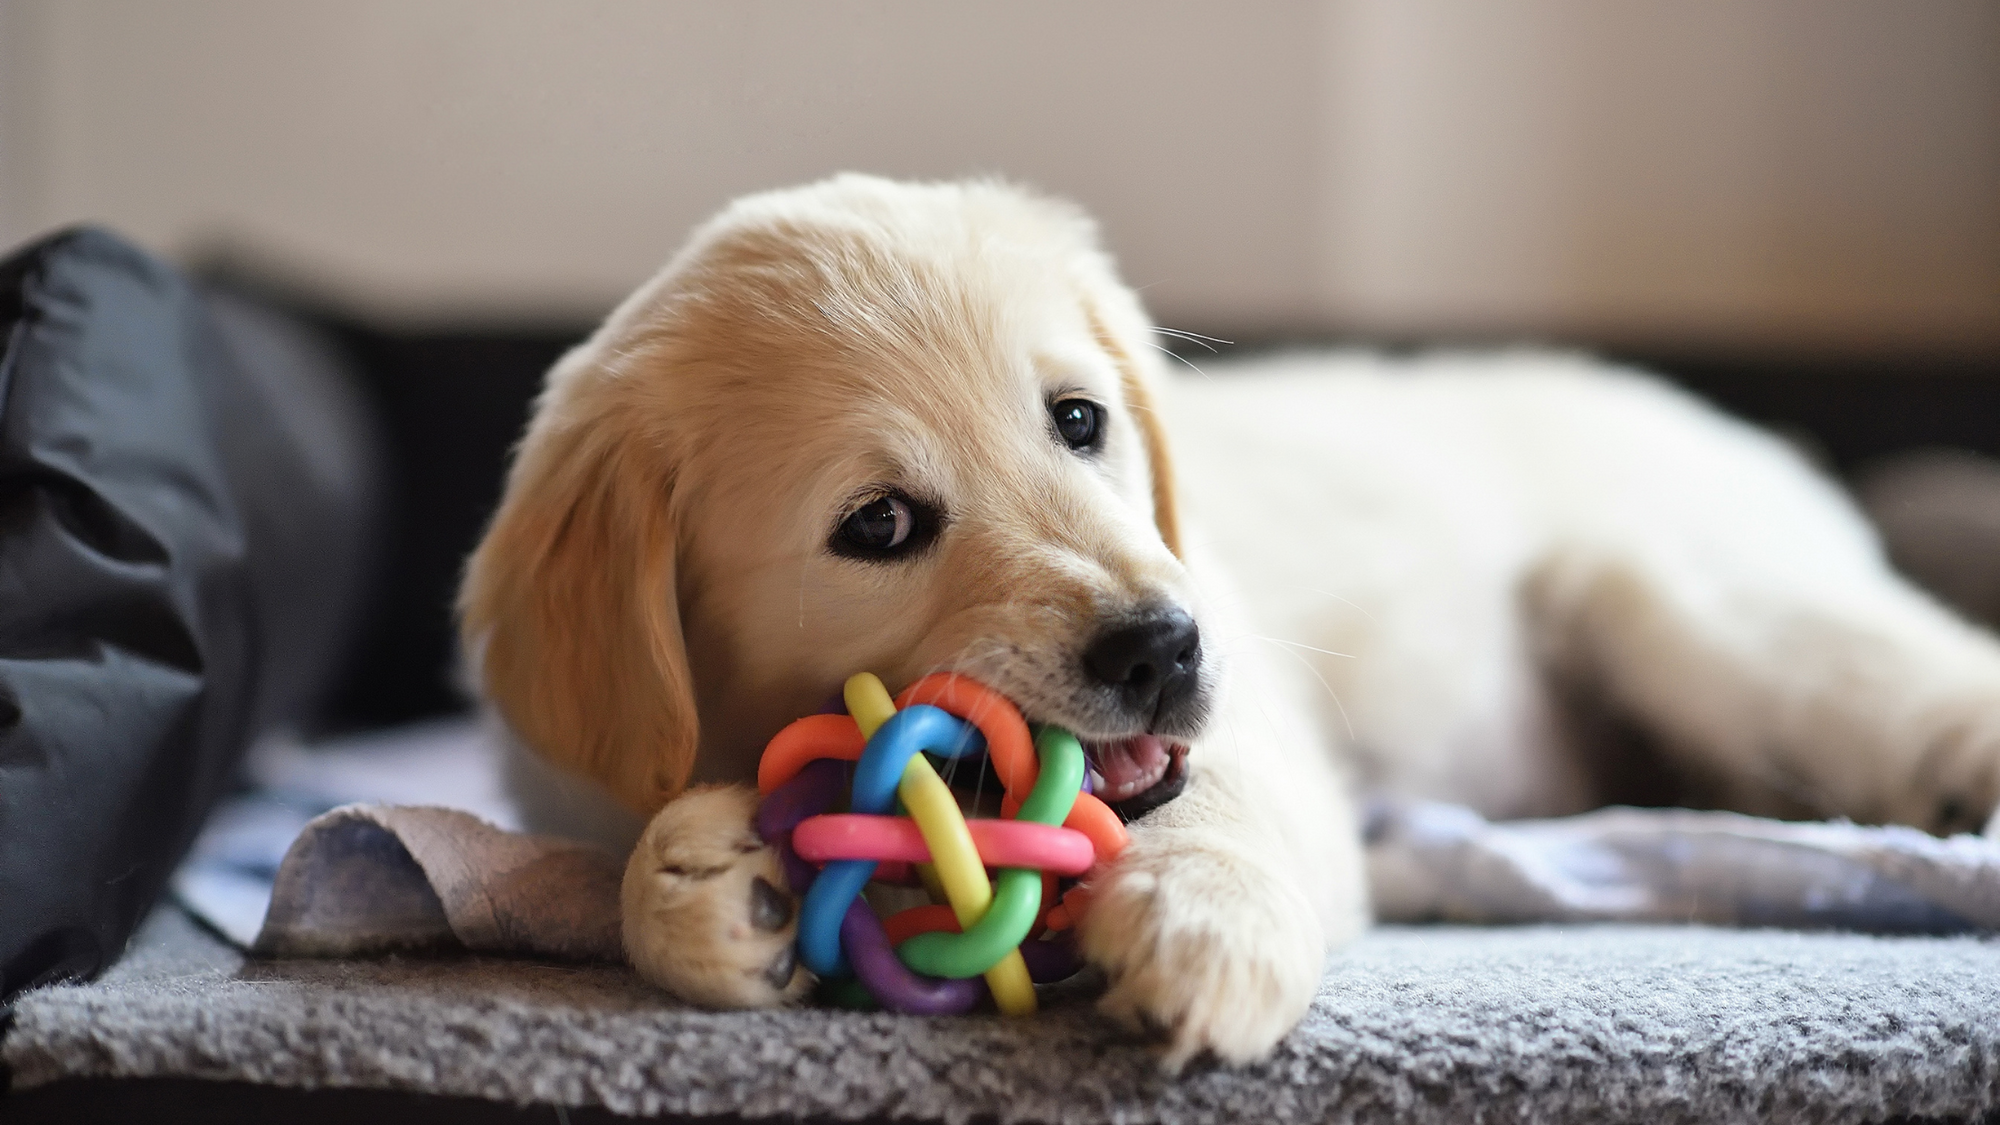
(885,527)
(1079,422)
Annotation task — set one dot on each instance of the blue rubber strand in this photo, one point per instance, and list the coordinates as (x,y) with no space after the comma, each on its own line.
(907,733)
(826,903)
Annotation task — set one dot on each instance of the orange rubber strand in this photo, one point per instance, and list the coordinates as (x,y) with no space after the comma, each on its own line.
(807,740)
(1095,819)
(1070,910)
(906,924)
(1048,903)
(1008,744)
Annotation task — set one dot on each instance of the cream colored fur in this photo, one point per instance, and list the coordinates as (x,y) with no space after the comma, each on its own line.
(1403,572)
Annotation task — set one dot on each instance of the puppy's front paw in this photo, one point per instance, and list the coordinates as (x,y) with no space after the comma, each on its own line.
(1955,787)
(1206,949)
(706,914)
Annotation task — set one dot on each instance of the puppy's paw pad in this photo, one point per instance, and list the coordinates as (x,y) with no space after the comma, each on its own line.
(1956,784)
(770,908)
(704,916)
(783,969)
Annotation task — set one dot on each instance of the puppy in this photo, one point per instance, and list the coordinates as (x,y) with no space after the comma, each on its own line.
(865,425)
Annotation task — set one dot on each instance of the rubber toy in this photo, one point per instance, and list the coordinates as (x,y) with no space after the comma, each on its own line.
(832,785)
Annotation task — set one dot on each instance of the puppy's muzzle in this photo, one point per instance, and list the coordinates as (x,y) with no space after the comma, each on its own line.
(1149,664)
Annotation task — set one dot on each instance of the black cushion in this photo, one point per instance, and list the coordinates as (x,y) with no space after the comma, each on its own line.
(185,507)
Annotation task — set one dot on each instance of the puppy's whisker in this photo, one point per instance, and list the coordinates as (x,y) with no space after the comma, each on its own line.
(994,648)
(1336,597)
(1330,693)
(1187,336)
(978,788)
(1171,352)
(1302,644)
(805,565)
(1191,335)
(1195,338)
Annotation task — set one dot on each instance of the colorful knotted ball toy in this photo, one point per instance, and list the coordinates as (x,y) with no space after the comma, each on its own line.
(928,960)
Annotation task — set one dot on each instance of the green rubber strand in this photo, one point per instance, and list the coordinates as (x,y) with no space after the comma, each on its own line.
(1061,779)
(1017,891)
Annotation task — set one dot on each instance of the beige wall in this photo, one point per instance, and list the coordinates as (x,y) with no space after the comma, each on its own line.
(492,155)
(1808,172)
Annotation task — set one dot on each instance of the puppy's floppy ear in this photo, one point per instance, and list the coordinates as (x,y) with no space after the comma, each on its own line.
(570,605)
(1135,381)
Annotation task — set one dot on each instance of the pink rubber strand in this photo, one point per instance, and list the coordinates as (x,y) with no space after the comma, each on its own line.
(1001,843)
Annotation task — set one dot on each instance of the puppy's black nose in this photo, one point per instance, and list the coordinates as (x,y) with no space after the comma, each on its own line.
(1150,662)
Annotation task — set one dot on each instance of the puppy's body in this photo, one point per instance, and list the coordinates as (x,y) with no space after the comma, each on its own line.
(1492,540)
(1403,576)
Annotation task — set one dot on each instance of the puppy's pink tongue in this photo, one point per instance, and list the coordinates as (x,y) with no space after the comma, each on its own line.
(1130,766)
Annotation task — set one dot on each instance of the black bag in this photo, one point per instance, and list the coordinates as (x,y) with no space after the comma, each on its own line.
(186,489)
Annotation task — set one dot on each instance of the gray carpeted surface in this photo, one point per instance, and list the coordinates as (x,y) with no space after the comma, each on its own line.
(1419,1024)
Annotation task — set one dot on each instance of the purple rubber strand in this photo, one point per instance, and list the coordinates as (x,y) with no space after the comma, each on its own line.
(799,874)
(815,789)
(900,990)
(1052,959)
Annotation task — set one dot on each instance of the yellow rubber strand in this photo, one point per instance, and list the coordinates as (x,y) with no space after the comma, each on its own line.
(868,701)
(958,865)
(954,858)
(870,704)
(953,853)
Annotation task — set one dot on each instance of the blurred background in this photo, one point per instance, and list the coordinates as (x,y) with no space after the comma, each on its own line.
(1792,206)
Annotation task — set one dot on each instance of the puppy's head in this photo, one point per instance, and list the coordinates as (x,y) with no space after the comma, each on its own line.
(855,426)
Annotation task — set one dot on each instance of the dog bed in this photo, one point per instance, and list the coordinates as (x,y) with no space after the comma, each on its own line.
(1578,1022)
(1413,1024)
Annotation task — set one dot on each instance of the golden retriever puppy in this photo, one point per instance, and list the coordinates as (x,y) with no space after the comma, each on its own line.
(865,425)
